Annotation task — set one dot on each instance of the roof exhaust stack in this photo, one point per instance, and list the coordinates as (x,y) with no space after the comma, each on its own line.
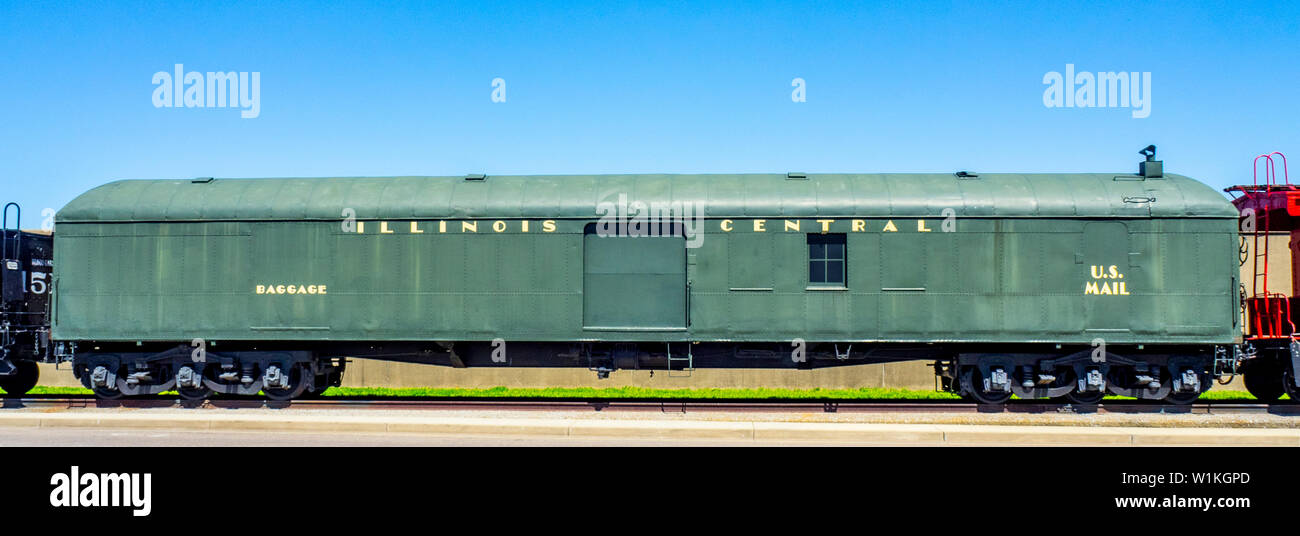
(1151,168)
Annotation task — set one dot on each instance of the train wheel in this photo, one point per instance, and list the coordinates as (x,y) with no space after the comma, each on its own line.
(22,380)
(1181,399)
(1088,398)
(1184,398)
(186,377)
(1288,383)
(1264,381)
(975,379)
(296,386)
(282,394)
(105,393)
(193,393)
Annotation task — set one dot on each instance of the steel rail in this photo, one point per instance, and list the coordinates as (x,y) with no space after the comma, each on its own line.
(651,405)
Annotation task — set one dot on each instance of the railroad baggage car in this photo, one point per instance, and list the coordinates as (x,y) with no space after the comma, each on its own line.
(1040,285)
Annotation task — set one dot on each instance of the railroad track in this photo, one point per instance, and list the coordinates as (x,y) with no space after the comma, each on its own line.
(661,406)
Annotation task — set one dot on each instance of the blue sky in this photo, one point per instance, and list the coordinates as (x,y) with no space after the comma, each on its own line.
(404,88)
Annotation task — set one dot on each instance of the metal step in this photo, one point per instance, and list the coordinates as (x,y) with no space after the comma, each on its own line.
(688,361)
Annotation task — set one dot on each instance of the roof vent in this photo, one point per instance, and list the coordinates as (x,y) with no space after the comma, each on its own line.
(475,177)
(1151,168)
(202,180)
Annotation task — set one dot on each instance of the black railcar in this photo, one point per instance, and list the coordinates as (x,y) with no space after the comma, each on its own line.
(26,260)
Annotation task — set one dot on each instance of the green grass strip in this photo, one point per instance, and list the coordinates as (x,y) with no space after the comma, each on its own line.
(866,393)
(41,390)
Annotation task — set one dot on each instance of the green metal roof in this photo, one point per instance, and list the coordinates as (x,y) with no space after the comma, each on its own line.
(576,196)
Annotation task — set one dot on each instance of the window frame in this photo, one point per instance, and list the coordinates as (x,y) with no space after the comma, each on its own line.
(827,239)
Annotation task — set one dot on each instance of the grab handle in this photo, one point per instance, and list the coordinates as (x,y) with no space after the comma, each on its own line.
(18,236)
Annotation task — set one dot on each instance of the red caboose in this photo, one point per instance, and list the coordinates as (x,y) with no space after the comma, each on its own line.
(1269,206)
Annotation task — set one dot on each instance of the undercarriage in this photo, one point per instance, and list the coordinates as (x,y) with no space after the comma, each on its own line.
(981,373)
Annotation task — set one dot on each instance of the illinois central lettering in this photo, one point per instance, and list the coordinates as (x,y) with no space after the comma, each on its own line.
(758,225)
(823,225)
(457,226)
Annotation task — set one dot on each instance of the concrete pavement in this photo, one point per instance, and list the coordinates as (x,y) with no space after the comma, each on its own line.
(738,430)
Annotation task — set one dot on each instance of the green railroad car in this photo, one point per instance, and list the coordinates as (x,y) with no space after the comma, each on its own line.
(1041,285)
